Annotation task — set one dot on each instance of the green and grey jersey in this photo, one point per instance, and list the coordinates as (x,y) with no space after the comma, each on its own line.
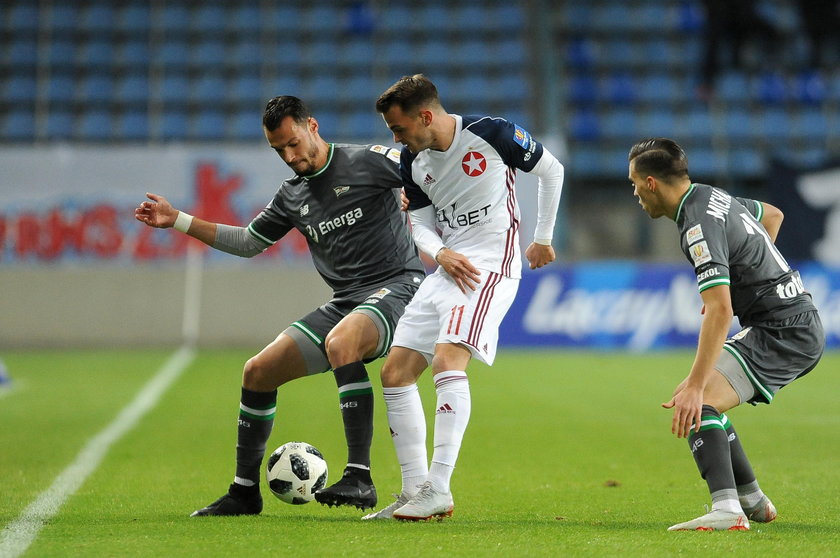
(349,212)
(722,237)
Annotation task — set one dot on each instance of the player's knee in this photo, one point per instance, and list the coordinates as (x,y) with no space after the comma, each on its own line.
(341,349)
(393,375)
(258,375)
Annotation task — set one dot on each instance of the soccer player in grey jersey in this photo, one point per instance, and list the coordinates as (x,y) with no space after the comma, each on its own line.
(730,243)
(345,200)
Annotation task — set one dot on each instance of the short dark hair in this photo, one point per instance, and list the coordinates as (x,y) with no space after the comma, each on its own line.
(408,93)
(660,157)
(280,107)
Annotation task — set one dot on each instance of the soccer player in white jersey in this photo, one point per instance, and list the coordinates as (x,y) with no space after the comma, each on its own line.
(459,175)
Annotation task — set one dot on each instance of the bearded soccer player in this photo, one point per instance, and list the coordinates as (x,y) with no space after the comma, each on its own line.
(345,200)
(730,243)
(459,175)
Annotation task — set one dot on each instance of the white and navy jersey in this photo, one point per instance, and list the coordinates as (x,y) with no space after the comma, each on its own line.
(349,212)
(472,188)
(722,237)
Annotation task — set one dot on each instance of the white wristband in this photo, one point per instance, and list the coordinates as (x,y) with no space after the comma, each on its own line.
(183,222)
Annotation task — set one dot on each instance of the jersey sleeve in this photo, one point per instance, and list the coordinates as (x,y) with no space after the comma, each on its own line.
(384,165)
(755,207)
(704,243)
(514,144)
(417,198)
(271,224)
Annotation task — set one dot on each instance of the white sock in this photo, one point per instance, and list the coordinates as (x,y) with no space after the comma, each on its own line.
(451,418)
(408,432)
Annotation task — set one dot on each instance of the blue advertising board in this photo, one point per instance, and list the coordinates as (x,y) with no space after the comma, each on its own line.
(631,306)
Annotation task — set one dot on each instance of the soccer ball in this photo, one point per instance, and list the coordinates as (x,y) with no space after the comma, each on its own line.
(295,471)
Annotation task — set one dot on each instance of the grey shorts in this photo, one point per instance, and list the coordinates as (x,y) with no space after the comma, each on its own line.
(760,360)
(384,305)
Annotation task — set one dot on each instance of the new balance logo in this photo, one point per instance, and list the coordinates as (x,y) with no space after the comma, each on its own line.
(445,408)
(428,181)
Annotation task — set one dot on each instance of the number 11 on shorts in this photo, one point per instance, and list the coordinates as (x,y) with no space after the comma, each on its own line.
(455,316)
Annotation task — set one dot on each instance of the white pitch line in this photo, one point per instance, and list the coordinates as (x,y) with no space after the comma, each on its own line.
(20,533)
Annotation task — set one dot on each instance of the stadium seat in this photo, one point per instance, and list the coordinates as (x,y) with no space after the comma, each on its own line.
(208,125)
(658,121)
(246,89)
(208,89)
(95,125)
(745,163)
(99,17)
(358,90)
(698,123)
(173,125)
(176,20)
(585,126)
(60,124)
(64,18)
(133,88)
(362,126)
(659,88)
(97,88)
(98,55)
(173,54)
(620,123)
(23,17)
(62,53)
(773,124)
(770,88)
(135,19)
(60,89)
(207,55)
(619,88)
(320,89)
(20,88)
(246,125)
(811,125)
(583,89)
(738,124)
(19,125)
(134,126)
(245,53)
(23,53)
(733,88)
(585,161)
(580,53)
(173,89)
(209,18)
(810,88)
(135,53)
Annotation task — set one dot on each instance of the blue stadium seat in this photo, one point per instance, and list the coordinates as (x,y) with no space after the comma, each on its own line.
(135,125)
(512,87)
(95,125)
(322,18)
(173,53)
(358,90)
(208,125)
(64,18)
(23,52)
(20,88)
(327,124)
(208,54)
(135,53)
(659,121)
(812,125)
(247,125)
(97,88)
(174,89)
(98,55)
(322,52)
(746,163)
(320,89)
(209,18)
(619,88)
(208,89)
(583,89)
(19,125)
(398,54)
(23,17)
(246,18)
(133,88)
(733,88)
(60,124)
(247,89)
(771,89)
(284,84)
(433,53)
(510,52)
(356,53)
(612,16)
(361,126)
(173,125)
(135,18)
(620,123)
(698,123)
(281,19)
(659,87)
(703,164)
(810,88)
(99,16)
(585,126)
(62,53)
(175,20)
(245,52)
(508,16)
(773,124)
(61,89)
(580,53)
(738,124)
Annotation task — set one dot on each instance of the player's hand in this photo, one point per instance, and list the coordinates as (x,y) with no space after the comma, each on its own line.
(459,267)
(403,200)
(539,254)
(688,405)
(157,213)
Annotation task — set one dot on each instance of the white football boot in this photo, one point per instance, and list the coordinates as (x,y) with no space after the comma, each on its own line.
(763,512)
(715,520)
(426,504)
(388,511)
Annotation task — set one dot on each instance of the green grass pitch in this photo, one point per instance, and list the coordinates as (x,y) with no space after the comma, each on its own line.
(566,454)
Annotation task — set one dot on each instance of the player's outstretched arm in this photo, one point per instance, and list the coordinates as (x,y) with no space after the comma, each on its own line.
(160,214)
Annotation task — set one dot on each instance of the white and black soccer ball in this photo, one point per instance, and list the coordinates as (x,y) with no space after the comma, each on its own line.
(295,471)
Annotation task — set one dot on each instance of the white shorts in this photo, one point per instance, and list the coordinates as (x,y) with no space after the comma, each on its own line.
(441,313)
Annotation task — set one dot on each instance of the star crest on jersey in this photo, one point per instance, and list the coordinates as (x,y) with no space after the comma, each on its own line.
(473,163)
(304,209)
(341,190)
(428,181)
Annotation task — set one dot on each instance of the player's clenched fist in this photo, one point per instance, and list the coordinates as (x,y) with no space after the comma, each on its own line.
(157,213)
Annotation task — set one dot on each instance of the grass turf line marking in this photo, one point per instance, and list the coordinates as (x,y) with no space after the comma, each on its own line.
(20,533)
